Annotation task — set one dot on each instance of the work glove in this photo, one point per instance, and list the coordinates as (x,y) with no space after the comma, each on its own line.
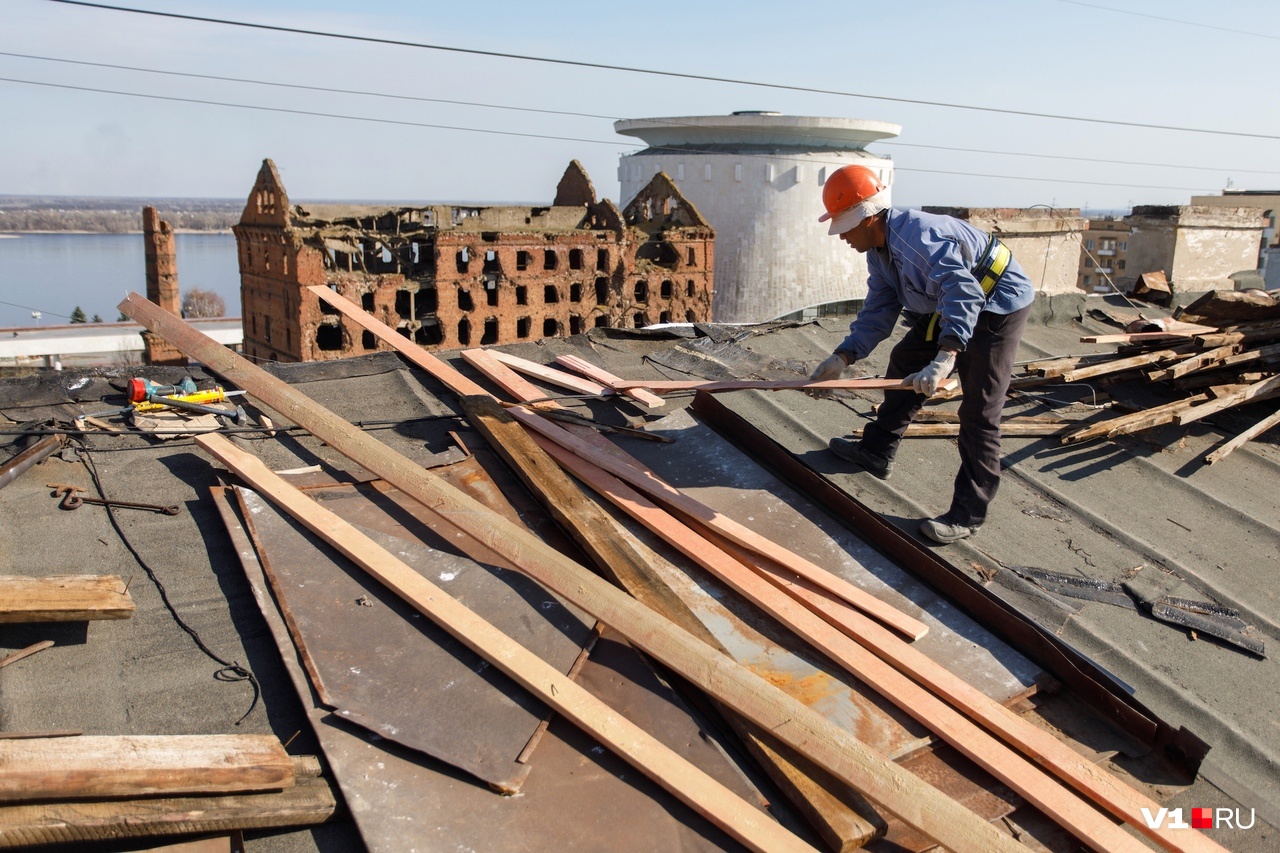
(829,369)
(926,381)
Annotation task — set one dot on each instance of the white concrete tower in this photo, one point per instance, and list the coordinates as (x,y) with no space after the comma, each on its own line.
(757,178)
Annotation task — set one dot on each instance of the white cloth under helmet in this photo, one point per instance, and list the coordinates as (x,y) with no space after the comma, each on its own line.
(853,217)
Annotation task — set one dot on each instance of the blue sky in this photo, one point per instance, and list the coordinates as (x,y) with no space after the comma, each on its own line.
(1047,56)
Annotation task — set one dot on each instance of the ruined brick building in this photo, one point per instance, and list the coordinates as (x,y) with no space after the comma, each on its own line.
(450,276)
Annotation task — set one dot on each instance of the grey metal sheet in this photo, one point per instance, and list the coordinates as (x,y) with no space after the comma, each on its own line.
(578,799)
(383,665)
(707,467)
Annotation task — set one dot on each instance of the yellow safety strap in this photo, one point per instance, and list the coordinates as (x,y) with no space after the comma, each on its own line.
(1000,257)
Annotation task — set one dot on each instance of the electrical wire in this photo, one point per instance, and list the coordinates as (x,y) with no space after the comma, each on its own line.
(654,72)
(1170,20)
(41,311)
(623,145)
(806,136)
(231,671)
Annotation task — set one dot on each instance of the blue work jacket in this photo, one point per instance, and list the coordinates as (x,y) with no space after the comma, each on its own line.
(926,267)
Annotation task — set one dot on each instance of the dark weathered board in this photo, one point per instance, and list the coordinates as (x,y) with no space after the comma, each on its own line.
(399,800)
(381,664)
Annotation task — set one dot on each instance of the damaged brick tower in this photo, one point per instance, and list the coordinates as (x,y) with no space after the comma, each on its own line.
(162,284)
(449,276)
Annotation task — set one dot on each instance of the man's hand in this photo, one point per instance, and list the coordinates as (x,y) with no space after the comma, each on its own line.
(926,381)
(829,369)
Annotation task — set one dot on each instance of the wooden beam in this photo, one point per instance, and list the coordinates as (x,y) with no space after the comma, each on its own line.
(134,766)
(1257,391)
(1134,421)
(604,377)
(1239,441)
(307,803)
(1026,778)
(669,385)
(27,652)
(1116,365)
(827,745)
(611,548)
(1015,427)
(637,747)
(550,375)
(63,598)
(621,464)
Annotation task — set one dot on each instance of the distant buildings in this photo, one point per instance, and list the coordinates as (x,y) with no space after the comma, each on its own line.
(449,276)
(1197,247)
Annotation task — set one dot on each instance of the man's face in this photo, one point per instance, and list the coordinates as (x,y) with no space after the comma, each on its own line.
(864,236)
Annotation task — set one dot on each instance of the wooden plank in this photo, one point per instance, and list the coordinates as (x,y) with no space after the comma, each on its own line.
(1017,427)
(647,754)
(811,735)
(63,598)
(654,486)
(27,652)
(134,766)
(1118,364)
(1174,331)
(611,549)
(307,803)
(1257,391)
(669,385)
(1133,421)
(604,377)
(1234,444)
(1020,774)
(550,375)
(602,452)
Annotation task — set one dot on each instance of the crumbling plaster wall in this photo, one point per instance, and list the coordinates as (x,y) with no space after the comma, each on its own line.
(1046,243)
(1197,247)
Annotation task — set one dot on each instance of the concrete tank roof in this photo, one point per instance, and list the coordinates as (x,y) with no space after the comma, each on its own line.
(758,128)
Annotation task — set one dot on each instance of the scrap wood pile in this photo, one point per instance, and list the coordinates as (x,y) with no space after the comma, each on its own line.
(59,787)
(859,634)
(1222,351)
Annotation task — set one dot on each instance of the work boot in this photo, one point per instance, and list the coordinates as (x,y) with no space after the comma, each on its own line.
(945,531)
(853,451)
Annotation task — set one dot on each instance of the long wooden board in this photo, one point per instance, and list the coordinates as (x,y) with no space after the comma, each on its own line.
(604,377)
(25,825)
(134,766)
(551,375)
(902,794)
(63,598)
(613,552)
(669,385)
(644,752)
(1030,781)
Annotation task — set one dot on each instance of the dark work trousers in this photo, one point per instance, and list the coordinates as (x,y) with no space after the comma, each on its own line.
(985,369)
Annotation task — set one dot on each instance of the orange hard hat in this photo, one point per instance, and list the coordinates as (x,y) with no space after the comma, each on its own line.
(846,188)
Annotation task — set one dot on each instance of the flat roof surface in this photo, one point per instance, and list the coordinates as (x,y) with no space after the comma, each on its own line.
(1142,506)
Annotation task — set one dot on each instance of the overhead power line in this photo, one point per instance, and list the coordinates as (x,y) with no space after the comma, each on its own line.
(807,135)
(1253,33)
(613,144)
(654,72)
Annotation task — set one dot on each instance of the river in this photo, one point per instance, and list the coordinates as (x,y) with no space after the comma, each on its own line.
(54,273)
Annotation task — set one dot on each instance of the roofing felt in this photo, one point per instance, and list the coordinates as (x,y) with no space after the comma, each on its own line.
(1141,506)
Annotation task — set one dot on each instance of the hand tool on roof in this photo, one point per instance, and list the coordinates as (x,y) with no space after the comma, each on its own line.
(72,499)
(1205,617)
(140,388)
(148,397)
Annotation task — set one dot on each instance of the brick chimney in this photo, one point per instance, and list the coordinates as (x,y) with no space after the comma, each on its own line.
(162,284)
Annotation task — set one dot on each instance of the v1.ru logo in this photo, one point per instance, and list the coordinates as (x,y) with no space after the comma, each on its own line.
(1200,819)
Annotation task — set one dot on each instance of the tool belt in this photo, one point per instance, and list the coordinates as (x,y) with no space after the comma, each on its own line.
(988,272)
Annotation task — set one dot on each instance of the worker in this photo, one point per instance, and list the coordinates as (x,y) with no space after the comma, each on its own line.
(966,300)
